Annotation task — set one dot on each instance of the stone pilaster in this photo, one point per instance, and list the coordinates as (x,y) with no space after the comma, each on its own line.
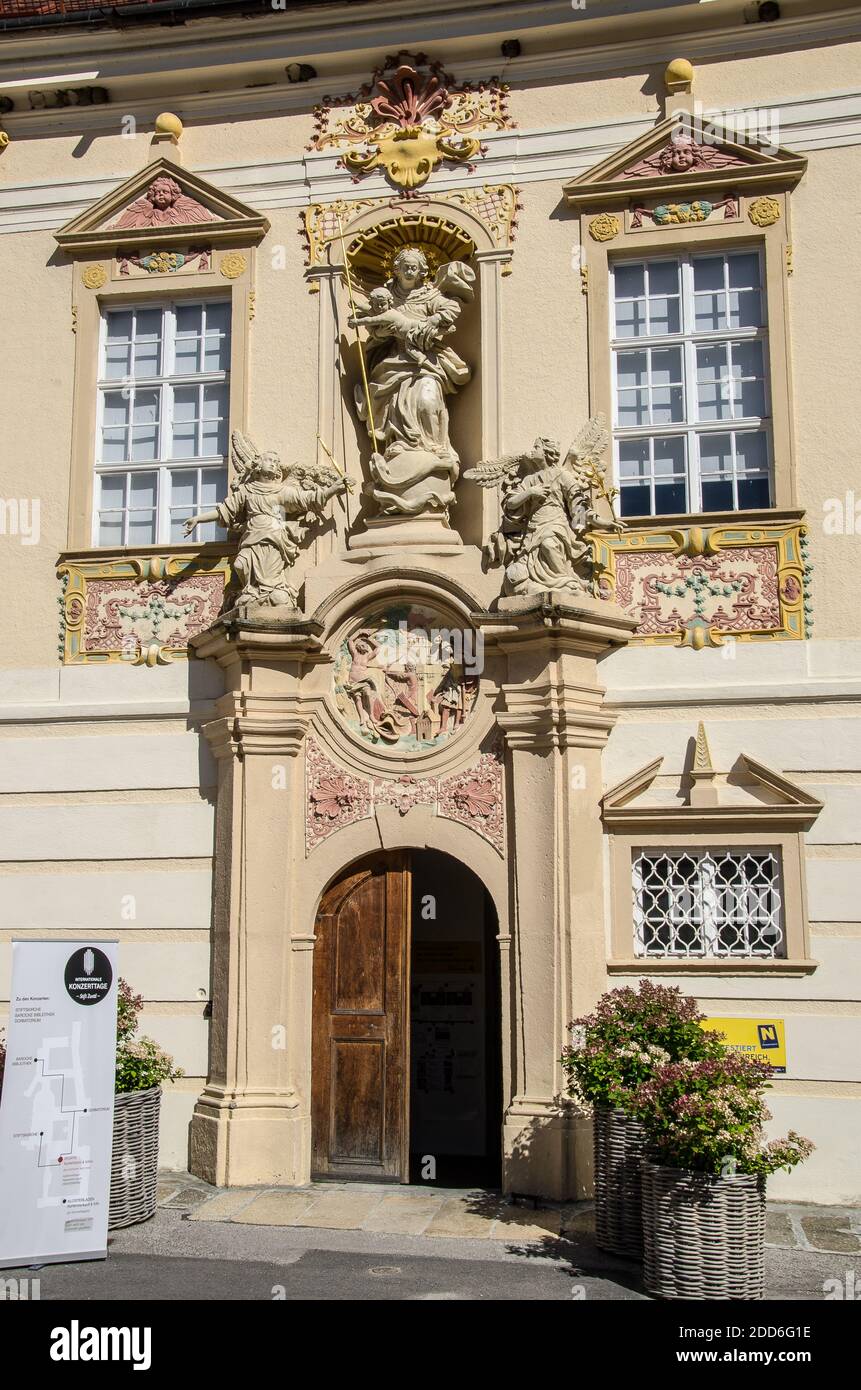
(555,725)
(251,1124)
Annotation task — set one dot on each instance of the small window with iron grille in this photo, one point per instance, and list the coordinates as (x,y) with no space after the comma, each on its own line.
(708,902)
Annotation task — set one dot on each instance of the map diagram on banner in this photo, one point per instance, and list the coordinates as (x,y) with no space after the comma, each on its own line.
(60,1107)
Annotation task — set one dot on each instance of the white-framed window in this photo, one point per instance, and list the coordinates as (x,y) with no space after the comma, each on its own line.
(162,420)
(691,402)
(708,902)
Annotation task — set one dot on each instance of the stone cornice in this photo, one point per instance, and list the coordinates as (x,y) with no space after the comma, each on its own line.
(594,42)
(233,222)
(796,810)
(686,819)
(543,154)
(710,966)
(274,636)
(580,625)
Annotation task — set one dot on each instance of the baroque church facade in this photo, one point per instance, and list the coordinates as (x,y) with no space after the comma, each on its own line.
(432,436)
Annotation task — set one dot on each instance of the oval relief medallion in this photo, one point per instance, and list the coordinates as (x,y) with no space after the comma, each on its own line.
(406,679)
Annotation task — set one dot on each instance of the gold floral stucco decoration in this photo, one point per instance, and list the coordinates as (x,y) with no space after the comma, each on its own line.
(411,117)
(604,227)
(763,212)
(233,265)
(94,277)
(409,156)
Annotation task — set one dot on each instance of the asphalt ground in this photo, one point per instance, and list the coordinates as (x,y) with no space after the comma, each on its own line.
(173,1258)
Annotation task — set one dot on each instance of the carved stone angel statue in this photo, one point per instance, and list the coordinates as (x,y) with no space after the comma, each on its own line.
(548,505)
(411,370)
(271,508)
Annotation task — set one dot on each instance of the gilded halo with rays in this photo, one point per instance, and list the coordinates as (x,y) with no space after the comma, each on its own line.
(372,253)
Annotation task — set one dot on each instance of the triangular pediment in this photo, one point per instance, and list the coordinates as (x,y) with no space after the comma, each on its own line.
(159,204)
(674,157)
(632,788)
(750,794)
(783,791)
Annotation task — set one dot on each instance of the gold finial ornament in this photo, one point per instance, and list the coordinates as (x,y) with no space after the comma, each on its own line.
(679,75)
(165,137)
(168,124)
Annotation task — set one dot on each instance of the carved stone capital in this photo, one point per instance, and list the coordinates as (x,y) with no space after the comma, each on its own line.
(552,698)
(559,715)
(273,726)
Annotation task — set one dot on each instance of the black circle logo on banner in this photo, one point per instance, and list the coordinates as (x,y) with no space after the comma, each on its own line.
(88,975)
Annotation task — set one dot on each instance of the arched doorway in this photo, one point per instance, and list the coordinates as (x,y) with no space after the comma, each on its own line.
(406,1047)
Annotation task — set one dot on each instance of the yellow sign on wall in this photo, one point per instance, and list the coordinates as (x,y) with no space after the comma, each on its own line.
(764,1038)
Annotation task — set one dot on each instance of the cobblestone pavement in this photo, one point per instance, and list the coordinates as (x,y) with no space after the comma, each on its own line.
(473,1215)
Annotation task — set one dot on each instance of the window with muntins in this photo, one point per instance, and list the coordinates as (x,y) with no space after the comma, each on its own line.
(162,424)
(708,902)
(692,426)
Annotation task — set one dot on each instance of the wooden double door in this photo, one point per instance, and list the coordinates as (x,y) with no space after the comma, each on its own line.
(361,1016)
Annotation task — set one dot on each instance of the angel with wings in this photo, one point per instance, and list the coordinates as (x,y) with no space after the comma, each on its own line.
(270,508)
(411,370)
(548,506)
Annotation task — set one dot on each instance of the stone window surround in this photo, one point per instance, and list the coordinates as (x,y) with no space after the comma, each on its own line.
(774,245)
(694,429)
(89,306)
(759,830)
(100,252)
(165,384)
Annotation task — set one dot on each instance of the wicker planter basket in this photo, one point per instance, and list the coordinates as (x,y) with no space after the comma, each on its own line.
(134,1162)
(618,1150)
(704,1235)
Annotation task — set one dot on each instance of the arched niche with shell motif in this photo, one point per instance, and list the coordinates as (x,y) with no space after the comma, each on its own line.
(369,242)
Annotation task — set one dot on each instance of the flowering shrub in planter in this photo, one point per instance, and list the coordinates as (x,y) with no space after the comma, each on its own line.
(623,1043)
(141,1063)
(709,1115)
(628,1037)
(142,1066)
(704,1184)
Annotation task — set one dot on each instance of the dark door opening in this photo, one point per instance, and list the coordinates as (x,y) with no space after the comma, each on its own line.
(406,1080)
(455,1043)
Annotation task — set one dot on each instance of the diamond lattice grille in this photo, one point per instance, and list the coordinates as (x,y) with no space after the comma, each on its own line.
(709,902)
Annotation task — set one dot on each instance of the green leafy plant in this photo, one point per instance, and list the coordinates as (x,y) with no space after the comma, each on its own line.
(628,1037)
(141,1063)
(709,1115)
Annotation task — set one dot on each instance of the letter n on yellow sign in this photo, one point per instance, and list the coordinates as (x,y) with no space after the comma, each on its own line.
(764,1038)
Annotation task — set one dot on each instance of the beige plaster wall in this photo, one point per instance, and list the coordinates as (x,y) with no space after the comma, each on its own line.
(35,424)
(545,389)
(283,343)
(755,78)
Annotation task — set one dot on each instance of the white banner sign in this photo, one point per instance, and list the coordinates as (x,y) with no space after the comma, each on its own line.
(57,1105)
